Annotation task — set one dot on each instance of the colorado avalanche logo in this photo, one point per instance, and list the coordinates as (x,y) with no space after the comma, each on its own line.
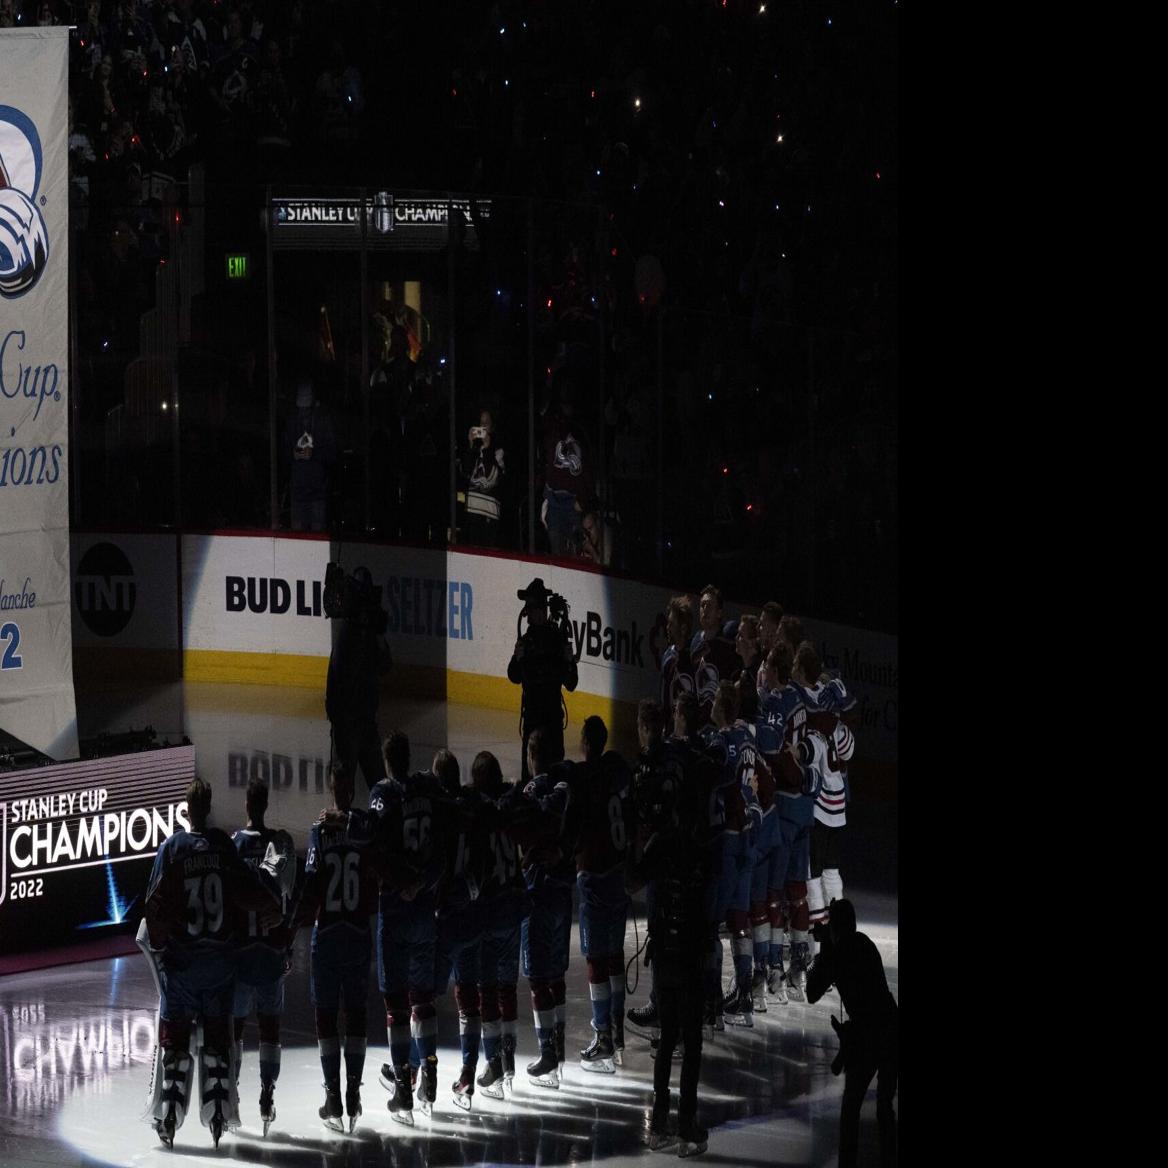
(24,241)
(568,455)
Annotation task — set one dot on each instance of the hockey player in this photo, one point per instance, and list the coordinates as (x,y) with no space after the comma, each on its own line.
(599,819)
(340,895)
(262,960)
(746,646)
(782,720)
(198,882)
(677,668)
(538,812)
(750,795)
(830,758)
(503,899)
(409,820)
(713,655)
(460,917)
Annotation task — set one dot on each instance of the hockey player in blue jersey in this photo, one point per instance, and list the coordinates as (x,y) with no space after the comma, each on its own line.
(538,813)
(714,658)
(196,886)
(460,917)
(502,900)
(408,815)
(677,669)
(339,896)
(598,823)
(262,959)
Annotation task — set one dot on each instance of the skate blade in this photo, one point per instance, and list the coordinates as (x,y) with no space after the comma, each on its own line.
(216,1130)
(267,1124)
(405,1118)
(662,1143)
(552,1082)
(353,1122)
(461,1101)
(685,1148)
(760,1006)
(334,1123)
(495,1091)
(743,1020)
(426,1108)
(618,1057)
(600,1066)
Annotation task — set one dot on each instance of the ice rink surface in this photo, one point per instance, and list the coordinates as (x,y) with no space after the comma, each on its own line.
(76,1042)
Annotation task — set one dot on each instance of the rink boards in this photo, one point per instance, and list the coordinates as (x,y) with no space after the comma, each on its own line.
(247,608)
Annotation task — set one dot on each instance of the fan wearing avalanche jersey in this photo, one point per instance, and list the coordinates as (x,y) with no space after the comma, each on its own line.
(460,918)
(410,820)
(339,897)
(503,906)
(677,668)
(714,659)
(262,959)
(197,884)
(599,823)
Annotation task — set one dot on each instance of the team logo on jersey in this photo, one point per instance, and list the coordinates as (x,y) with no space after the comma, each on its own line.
(568,455)
(24,239)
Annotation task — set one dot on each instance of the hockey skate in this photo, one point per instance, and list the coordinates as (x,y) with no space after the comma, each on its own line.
(643,1020)
(509,1061)
(739,1011)
(777,985)
(618,1041)
(166,1127)
(463,1087)
(267,1107)
(544,1072)
(427,1084)
(330,1111)
(692,1141)
(353,1102)
(797,973)
(758,985)
(216,1088)
(599,1056)
(491,1080)
(401,1101)
(561,1050)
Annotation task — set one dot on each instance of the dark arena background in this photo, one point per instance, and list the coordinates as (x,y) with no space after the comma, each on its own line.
(463,295)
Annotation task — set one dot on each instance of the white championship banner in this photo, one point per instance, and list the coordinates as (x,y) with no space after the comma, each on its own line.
(36,665)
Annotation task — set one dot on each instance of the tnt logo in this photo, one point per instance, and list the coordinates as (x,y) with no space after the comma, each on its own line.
(24,239)
(105,589)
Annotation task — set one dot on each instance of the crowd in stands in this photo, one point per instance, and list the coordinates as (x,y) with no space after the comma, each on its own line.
(715,229)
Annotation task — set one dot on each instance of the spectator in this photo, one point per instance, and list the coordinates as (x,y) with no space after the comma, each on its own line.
(567,475)
(484,467)
(311,450)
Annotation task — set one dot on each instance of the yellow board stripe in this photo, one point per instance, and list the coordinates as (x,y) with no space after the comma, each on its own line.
(472,689)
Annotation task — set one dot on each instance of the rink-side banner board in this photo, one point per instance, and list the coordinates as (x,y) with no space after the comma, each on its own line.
(36,664)
(252,611)
(77,842)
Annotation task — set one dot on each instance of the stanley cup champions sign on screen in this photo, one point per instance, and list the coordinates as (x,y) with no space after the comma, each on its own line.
(36,663)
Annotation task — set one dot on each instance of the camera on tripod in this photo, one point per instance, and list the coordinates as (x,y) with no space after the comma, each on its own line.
(354,597)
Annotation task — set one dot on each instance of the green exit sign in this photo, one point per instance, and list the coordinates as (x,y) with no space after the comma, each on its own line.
(238,266)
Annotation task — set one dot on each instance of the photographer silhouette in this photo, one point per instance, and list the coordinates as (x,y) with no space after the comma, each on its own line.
(543,662)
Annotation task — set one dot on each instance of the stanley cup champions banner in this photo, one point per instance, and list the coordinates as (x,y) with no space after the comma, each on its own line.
(36,662)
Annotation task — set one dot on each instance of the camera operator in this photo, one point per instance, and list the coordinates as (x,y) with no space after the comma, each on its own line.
(543,661)
(360,656)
